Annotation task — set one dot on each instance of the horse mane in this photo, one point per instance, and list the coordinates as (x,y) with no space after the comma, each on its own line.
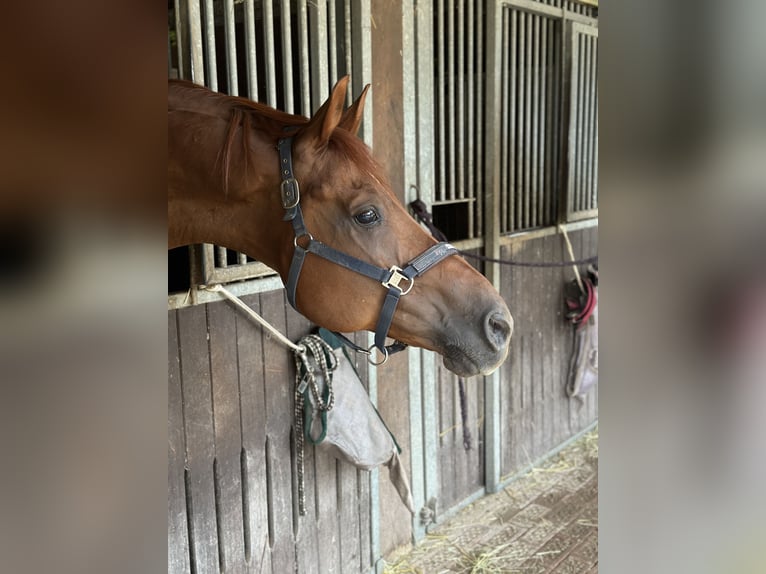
(246,115)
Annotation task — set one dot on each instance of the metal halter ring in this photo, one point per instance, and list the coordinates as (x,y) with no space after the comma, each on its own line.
(370,354)
(297,237)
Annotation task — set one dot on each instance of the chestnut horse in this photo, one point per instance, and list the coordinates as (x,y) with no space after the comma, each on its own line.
(333,210)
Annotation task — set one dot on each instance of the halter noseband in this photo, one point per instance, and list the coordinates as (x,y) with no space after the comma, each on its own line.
(399,281)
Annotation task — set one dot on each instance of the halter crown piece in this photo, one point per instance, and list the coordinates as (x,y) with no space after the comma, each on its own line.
(398,280)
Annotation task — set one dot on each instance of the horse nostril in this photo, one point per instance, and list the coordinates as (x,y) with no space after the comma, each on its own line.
(498,327)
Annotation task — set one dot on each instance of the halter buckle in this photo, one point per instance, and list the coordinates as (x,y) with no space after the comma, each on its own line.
(397,276)
(291,194)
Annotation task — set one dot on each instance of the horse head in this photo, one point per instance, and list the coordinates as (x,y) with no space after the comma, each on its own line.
(348,204)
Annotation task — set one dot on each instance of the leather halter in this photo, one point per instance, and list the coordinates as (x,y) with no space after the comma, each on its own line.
(399,281)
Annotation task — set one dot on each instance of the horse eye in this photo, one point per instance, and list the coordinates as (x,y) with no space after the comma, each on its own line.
(367,217)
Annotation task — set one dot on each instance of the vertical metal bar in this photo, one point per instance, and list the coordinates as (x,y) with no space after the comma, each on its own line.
(361,45)
(471,122)
(303,36)
(231,47)
(535,157)
(592,123)
(287,56)
(571,124)
(252,65)
(348,52)
(492,426)
(220,255)
(505,67)
(550,120)
(333,41)
(542,111)
(510,46)
(319,80)
(586,122)
(527,39)
(269,52)
(580,120)
(558,108)
(594,196)
(182,37)
(450,47)
(518,149)
(479,19)
(195,43)
(170,57)
(210,59)
(460,81)
(410,168)
(441,191)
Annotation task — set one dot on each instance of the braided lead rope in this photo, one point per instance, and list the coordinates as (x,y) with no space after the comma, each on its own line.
(320,350)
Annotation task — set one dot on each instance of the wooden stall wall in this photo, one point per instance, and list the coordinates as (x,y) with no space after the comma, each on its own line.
(232,491)
(536,413)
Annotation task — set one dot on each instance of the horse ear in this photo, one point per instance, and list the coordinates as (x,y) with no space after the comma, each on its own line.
(328,117)
(352,117)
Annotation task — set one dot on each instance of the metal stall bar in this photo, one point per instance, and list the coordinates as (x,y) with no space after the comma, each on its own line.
(361,48)
(527,39)
(513,145)
(558,134)
(303,37)
(441,189)
(269,53)
(592,122)
(460,119)
(195,43)
(550,121)
(534,191)
(181,14)
(333,39)
(252,65)
(594,192)
(231,47)
(347,51)
(505,114)
(543,111)
(210,56)
(580,123)
(471,121)
(449,44)
(588,132)
(287,56)
(318,38)
(479,119)
(492,419)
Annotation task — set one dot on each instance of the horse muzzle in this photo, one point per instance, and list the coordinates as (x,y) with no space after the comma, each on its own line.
(481,348)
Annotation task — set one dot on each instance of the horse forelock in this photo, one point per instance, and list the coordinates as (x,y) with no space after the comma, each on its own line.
(345,146)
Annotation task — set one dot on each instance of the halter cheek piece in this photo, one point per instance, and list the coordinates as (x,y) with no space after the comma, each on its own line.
(399,281)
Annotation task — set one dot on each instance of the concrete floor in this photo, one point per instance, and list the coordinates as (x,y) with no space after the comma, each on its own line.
(545,522)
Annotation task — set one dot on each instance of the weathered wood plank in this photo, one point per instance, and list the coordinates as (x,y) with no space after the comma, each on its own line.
(200,447)
(253,456)
(278,381)
(228,439)
(348,518)
(325,468)
(178,536)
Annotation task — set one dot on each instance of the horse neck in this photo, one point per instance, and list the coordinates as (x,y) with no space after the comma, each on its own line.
(244,215)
